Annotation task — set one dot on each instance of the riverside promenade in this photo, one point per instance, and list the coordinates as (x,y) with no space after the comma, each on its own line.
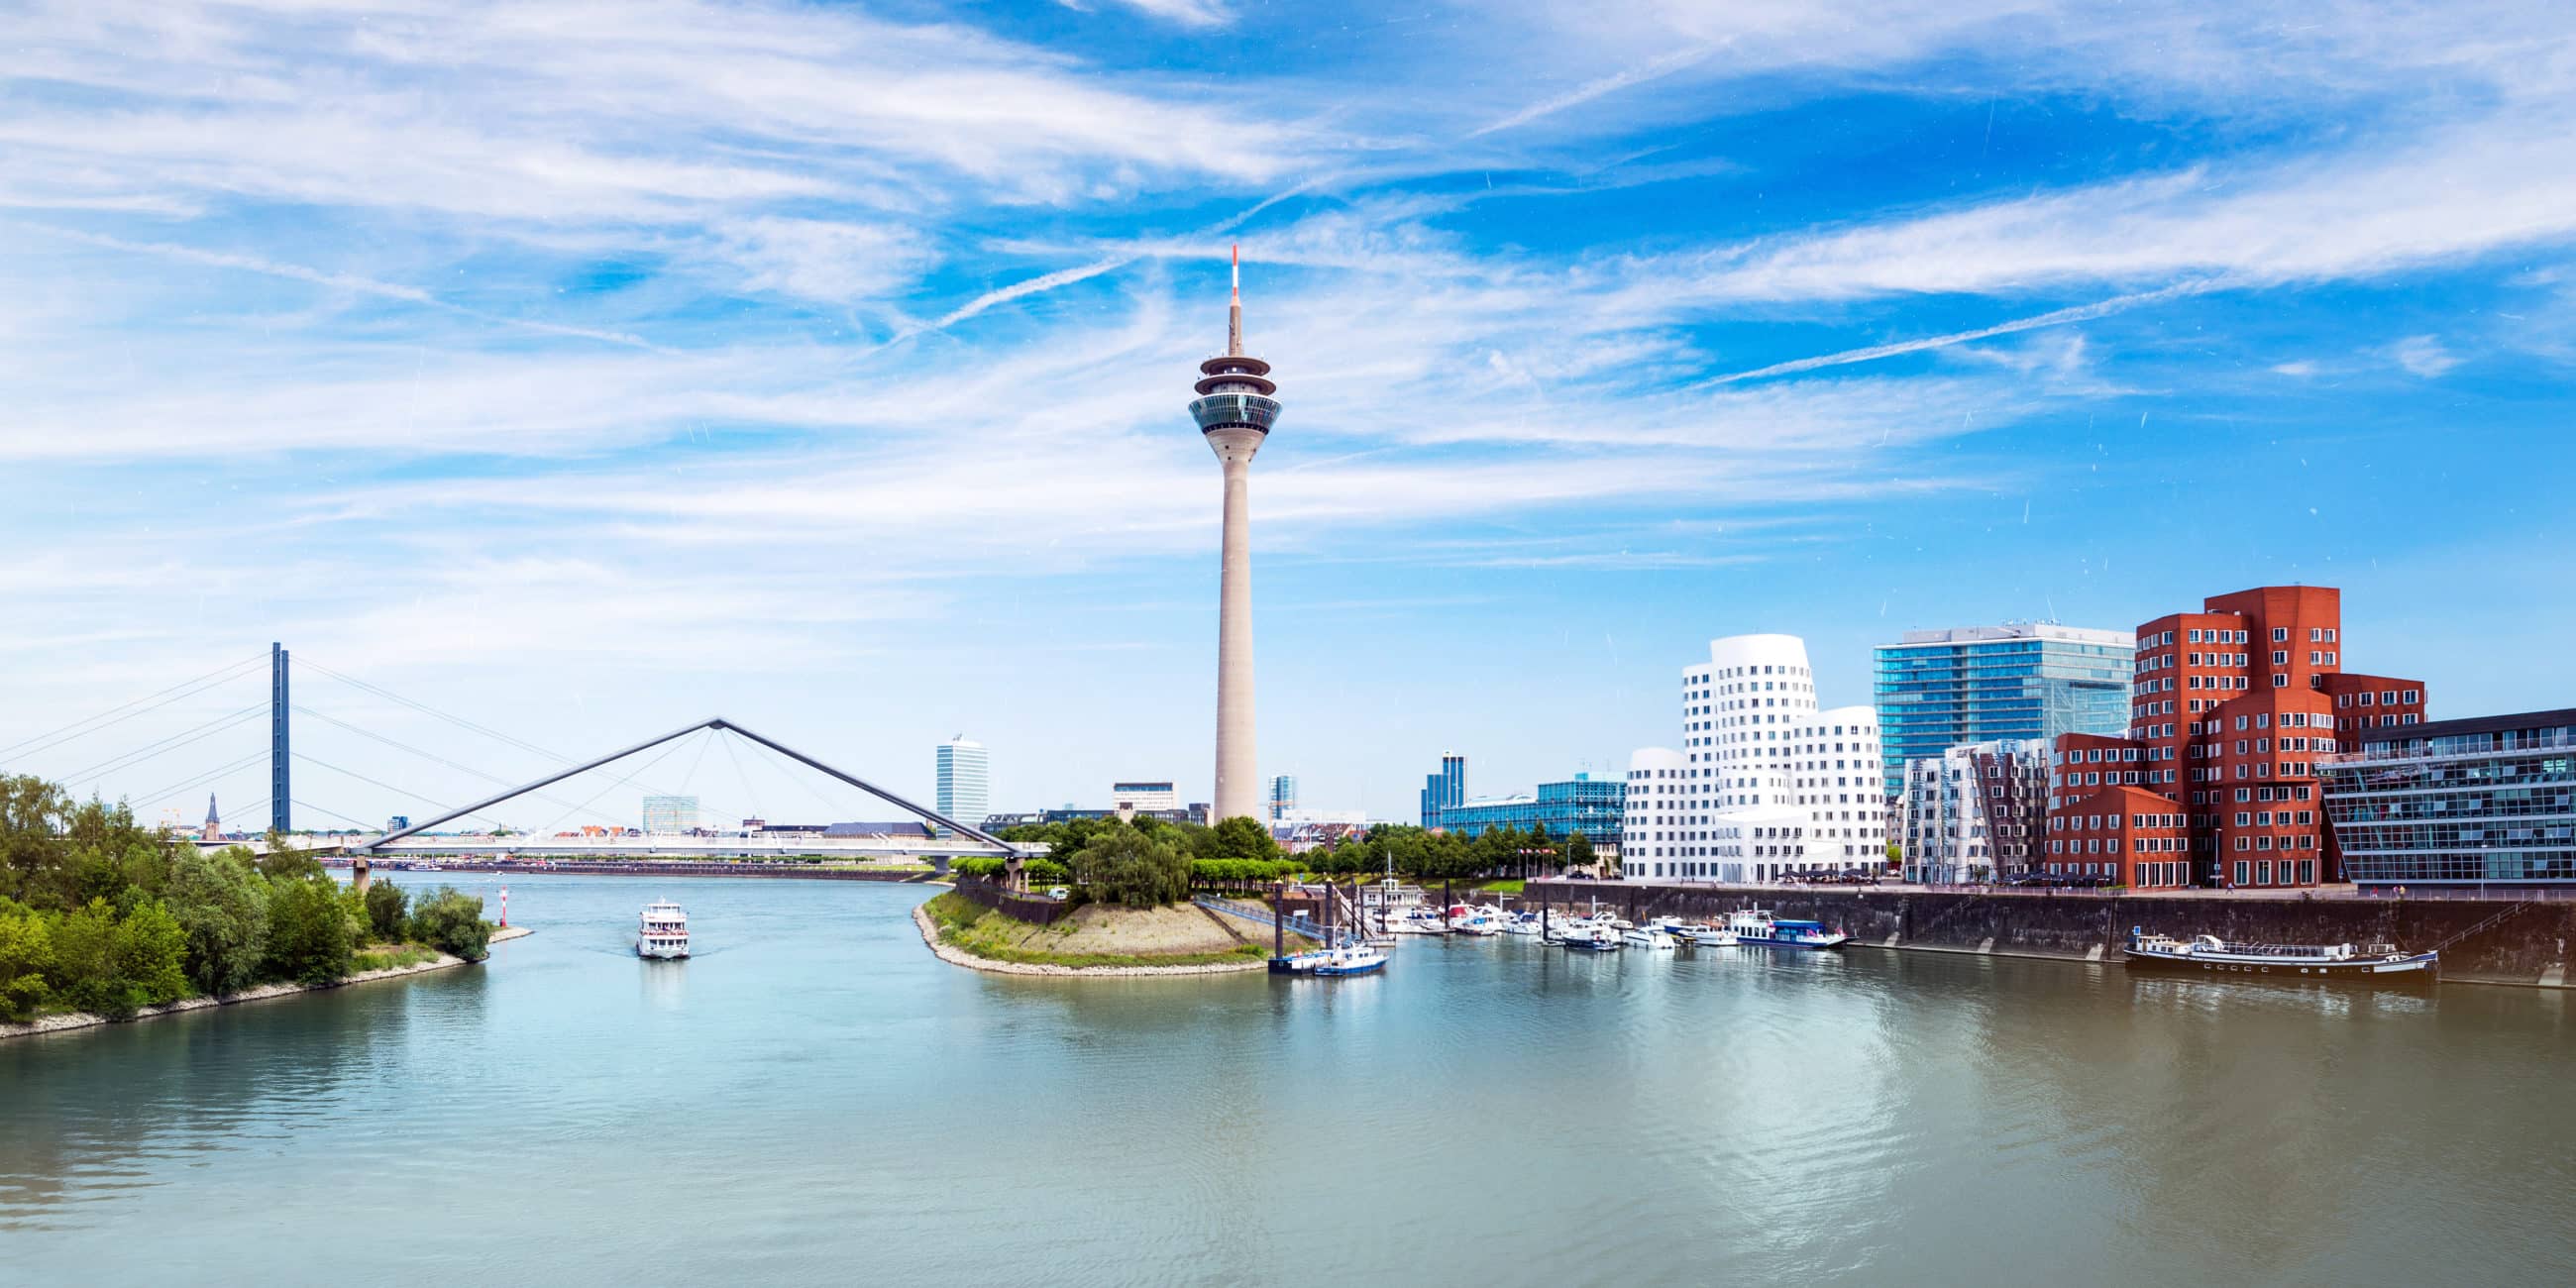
(2499,939)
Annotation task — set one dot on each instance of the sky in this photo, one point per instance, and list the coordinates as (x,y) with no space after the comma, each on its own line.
(581,370)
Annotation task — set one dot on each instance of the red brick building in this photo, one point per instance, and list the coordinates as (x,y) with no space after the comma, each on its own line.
(2230,707)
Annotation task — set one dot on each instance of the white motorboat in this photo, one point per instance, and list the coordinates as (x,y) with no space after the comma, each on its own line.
(663,933)
(1714,937)
(1654,938)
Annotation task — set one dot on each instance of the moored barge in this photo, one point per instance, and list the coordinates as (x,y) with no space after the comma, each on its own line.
(2381,964)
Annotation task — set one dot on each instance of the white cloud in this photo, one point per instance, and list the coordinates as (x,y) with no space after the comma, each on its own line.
(2423,355)
(2302,369)
(826,260)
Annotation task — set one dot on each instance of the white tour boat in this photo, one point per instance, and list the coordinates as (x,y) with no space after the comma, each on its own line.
(664,933)
(1758,926)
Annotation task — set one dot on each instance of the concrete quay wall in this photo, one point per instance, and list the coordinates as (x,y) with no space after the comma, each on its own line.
(2527,944)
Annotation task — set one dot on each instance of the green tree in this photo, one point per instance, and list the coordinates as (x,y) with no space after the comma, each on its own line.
(1124,866)
(451,921)
(26,958)
(309,938)
(33,813)
(112,966)
(387,908)
(1240,838)
(285,861)
(222,905)
(1578,851)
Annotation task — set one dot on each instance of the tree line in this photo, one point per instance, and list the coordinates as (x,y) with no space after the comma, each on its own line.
(1149,862)
(100,914)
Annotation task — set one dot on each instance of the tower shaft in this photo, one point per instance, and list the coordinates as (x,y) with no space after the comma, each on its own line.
(1238,791)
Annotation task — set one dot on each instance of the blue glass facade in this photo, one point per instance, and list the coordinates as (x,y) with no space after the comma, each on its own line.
(1580,804)
(1443,790)
(1942,689)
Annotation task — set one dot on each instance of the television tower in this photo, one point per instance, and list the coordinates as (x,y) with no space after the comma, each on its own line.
(1234,410)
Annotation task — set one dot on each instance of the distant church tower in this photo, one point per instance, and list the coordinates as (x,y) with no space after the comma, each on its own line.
(214,829)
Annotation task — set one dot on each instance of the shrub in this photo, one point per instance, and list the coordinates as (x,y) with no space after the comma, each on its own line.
(112,966)
(26,954)
(222,906)
(451,921)
(309,938)
(387,907)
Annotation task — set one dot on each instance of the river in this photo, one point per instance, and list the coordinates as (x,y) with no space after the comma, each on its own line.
(814,1097)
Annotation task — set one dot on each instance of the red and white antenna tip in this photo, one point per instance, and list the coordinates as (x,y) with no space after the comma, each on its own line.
(1238,270)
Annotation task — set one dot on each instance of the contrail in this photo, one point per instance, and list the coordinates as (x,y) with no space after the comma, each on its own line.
(2079,313)
(1611,84)
(336,281)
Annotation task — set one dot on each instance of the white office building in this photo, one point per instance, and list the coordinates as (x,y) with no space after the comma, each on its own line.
(965,789)
(1145,796)
(1769,784)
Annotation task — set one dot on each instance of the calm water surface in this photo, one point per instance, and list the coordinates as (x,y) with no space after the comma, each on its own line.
(814,1097)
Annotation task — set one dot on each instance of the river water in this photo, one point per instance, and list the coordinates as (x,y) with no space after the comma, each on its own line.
(814,1097)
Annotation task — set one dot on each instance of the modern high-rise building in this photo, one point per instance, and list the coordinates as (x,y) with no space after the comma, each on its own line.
(1947,688)
(1977,812)
(1770,785)
(670,815)
(1235,411)
(2232,710)
(1282,796)
(965,786)
(1445,789)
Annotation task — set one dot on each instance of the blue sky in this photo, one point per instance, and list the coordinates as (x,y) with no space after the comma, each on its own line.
(587,369)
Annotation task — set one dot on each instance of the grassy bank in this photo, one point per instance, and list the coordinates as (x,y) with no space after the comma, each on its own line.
(1094,937)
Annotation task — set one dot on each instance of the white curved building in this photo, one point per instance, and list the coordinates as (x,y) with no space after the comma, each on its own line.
(1770,785)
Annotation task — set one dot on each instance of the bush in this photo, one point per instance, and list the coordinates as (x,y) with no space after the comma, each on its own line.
(26,955)
(222,907)
(112,966)
(387,907)
(309,937)
(1125,866)
(451,921)
(1038,871)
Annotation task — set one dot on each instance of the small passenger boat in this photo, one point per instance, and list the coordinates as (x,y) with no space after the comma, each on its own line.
(664,932)
(1350,959)
(1758,926)
(2210,955)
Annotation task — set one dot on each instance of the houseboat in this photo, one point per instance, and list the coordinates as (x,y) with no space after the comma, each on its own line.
(1756,926)
(2211,955)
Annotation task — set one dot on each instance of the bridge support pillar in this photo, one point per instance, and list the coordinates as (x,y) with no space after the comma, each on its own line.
(358,874)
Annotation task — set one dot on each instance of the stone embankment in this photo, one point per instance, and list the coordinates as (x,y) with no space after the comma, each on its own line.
(2483,941)
(956,956)
(83,1019)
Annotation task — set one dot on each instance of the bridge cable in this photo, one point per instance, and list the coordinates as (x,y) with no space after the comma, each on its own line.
(357,823)
(614,784)
(154,750)
(745,780)
(459,721)
(173,693)
(387,786)
(800,775)
(431,756)
(194,781)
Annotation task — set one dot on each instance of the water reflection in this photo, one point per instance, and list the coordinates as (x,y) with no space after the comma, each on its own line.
(1516,1113)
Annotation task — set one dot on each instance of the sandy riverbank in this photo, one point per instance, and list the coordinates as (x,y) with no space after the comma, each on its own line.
(83,1019)
(955,956)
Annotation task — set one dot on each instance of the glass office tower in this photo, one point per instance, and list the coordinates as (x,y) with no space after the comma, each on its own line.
(1942,689)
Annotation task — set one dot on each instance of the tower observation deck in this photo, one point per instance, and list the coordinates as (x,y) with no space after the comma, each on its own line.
(1235,410)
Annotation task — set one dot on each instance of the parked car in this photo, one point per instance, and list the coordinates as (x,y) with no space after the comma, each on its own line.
(1059,892)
